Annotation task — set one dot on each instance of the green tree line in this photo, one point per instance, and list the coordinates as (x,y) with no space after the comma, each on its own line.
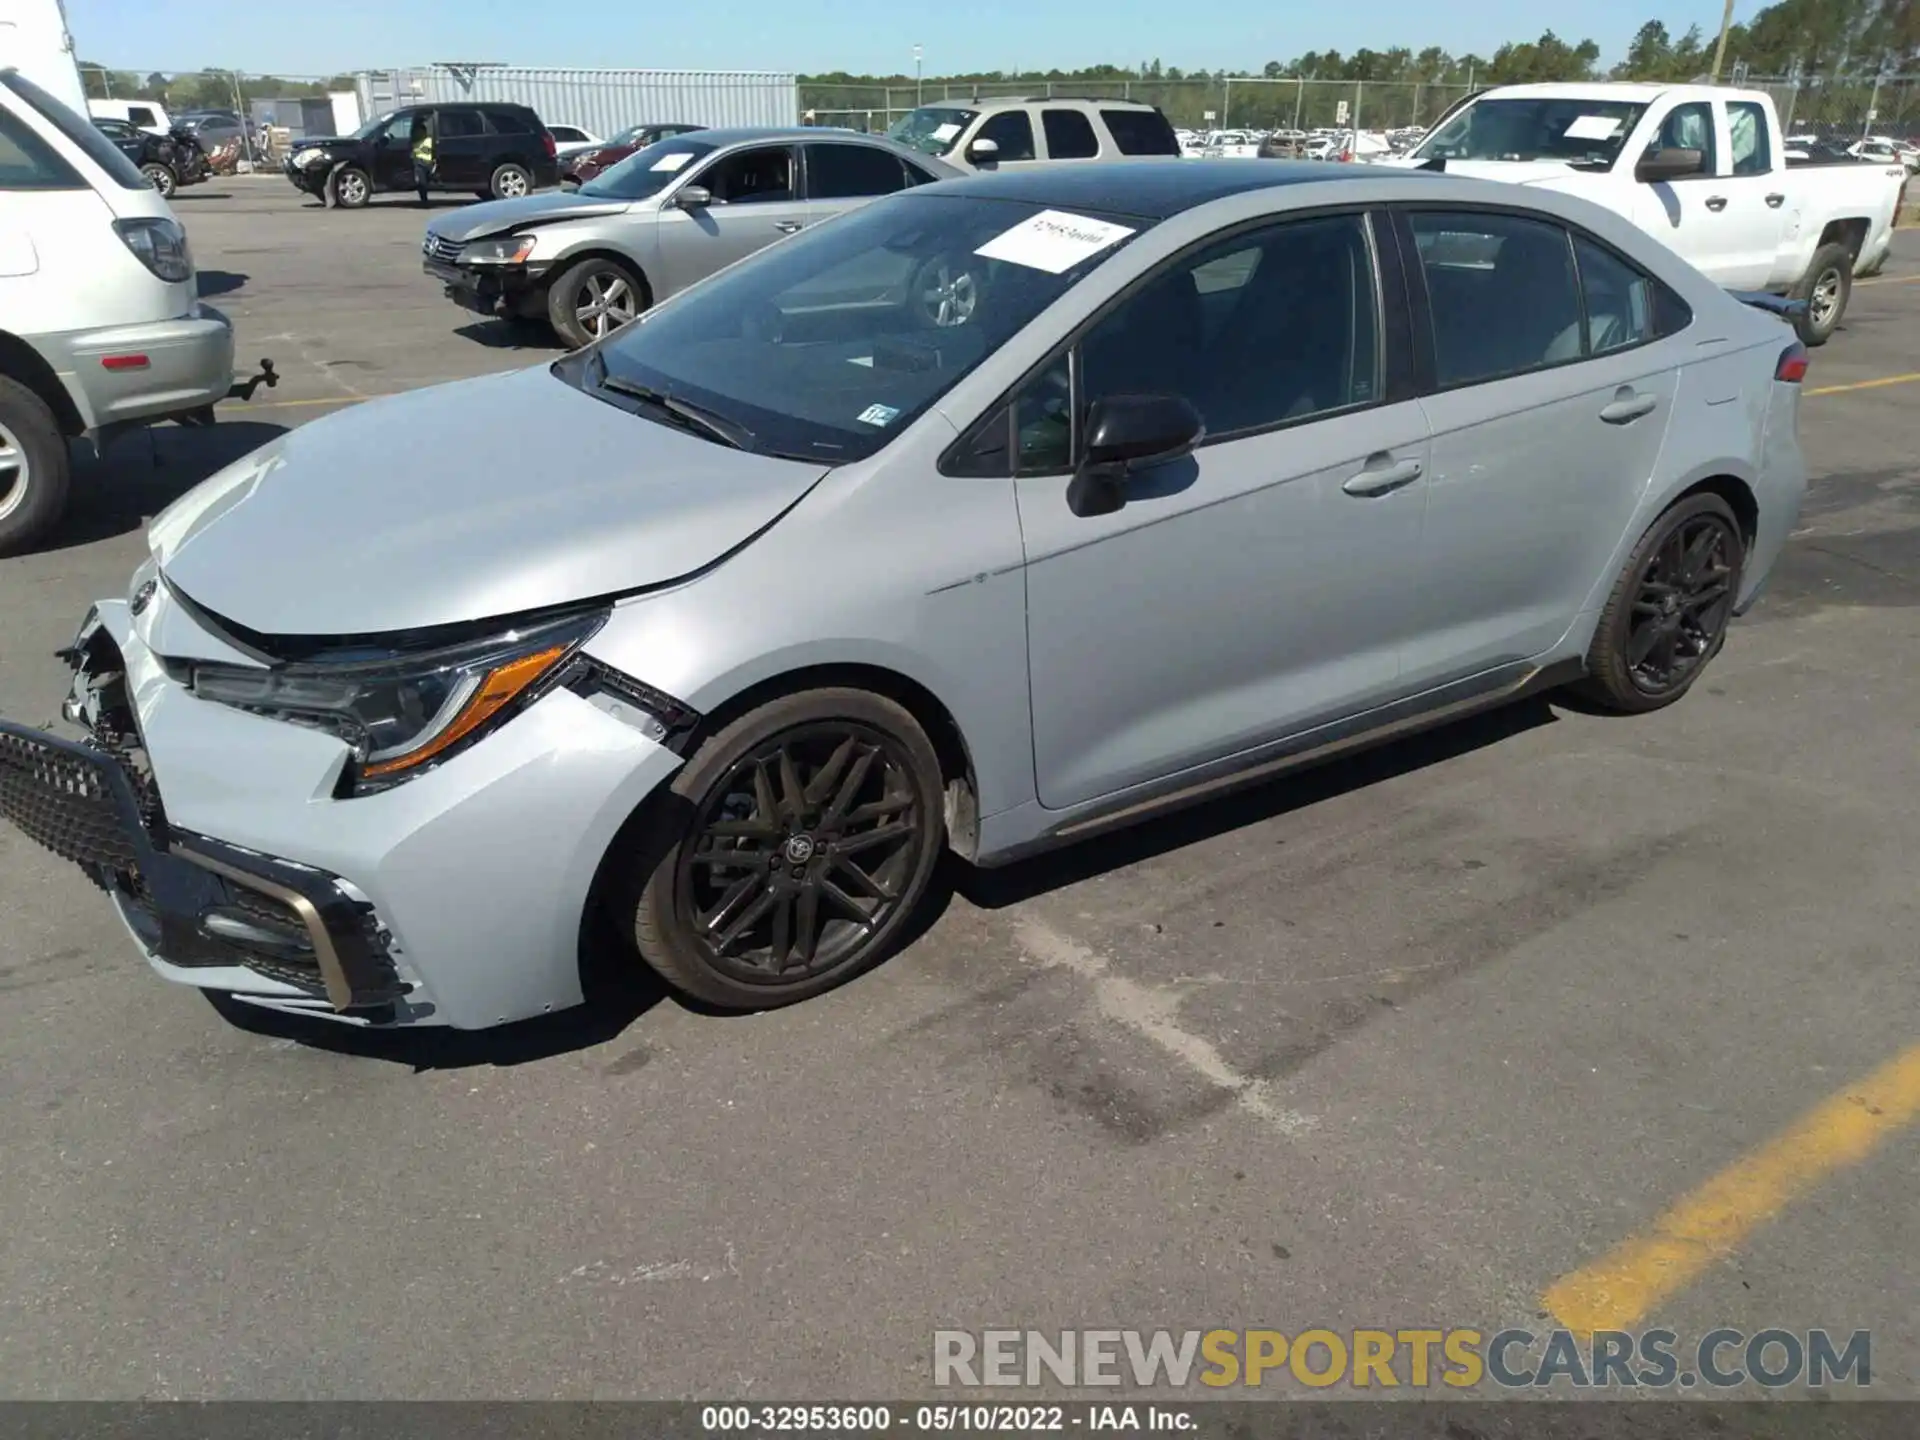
(200,89)
(1808,40)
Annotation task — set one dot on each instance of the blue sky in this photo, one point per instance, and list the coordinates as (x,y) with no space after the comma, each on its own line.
(862,36)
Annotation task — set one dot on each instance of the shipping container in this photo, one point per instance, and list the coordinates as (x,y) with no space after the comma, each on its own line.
(602,101)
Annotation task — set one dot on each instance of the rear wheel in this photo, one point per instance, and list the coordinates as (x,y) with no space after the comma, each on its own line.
(1669,611)
(161,177)
(510,182)
(33,467)
(1826,287)
(802,838)
(592,299)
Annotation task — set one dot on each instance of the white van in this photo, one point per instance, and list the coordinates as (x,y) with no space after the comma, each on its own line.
(147,115)
(101,326)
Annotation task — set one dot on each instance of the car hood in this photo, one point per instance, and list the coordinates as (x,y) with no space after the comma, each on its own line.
(461,502)
(495,217)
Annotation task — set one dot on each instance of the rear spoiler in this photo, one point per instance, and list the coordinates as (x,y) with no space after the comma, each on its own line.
(1788,310)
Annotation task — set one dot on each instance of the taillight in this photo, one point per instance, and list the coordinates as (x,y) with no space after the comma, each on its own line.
(546,139)
(1792,368)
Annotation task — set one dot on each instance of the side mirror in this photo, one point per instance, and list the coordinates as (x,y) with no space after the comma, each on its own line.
(1658,165)
(694,197)
(1127,433)
(983,150)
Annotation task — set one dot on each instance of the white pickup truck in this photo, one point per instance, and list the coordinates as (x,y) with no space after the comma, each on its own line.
(1703,167)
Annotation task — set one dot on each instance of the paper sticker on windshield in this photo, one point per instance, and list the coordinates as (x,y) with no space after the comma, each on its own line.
(945,132)
(878,415)
(672,162)
(1054,241)
(1593,127)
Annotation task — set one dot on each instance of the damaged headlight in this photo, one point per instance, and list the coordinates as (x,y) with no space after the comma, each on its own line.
(404,714)
(502,250)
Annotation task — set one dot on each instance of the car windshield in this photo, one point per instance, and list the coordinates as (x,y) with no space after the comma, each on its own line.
(645,172)
(1564,128)
(824,346)
(374,126)
(932,129)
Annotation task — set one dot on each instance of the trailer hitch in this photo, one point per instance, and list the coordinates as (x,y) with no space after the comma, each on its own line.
(243,389)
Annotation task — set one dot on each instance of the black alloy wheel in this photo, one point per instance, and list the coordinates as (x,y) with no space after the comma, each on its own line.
(801,853)
(812,831)
(1685,599)
(1669,612)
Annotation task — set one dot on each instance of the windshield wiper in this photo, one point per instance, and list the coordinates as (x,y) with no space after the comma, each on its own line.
(685,414)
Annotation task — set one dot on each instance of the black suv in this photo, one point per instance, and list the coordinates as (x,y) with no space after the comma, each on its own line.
(487,149)
(168,161)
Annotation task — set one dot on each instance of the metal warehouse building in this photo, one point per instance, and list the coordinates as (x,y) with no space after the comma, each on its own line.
(603,101)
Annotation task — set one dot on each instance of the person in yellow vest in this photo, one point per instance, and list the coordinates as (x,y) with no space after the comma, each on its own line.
(422,154)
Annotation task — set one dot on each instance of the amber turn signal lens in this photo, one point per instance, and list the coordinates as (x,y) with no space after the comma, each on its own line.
(497,690)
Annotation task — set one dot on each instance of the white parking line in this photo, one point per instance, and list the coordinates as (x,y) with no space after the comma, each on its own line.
(1153,1011)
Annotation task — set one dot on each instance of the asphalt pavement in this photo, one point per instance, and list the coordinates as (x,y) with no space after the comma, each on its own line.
(1414,1040)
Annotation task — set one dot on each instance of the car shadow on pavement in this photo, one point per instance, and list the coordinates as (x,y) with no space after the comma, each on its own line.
(512,335)
(1056,869)
(144,472)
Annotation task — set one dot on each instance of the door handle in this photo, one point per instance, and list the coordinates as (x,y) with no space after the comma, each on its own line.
(1776,201)
(1383,480)
(1628,406)
(787,227)
(1716,202)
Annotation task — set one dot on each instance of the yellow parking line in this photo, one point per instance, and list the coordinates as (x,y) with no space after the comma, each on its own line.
(1879,384)
(302,404)
(1623,1286)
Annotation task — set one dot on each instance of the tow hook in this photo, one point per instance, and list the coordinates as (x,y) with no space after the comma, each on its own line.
(243,389)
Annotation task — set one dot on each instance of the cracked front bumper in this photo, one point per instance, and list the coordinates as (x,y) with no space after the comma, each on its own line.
(454,899)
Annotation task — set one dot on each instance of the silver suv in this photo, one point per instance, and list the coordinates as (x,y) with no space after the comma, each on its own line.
(993,134)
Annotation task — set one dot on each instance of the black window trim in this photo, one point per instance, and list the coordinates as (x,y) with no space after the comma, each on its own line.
(1372,217)
(1422,310)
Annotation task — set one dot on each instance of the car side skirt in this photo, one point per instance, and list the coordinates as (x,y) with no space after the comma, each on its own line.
(1379,726)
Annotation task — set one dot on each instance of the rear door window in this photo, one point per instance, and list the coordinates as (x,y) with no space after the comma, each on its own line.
(141,116)
(461,124)
(507,120)
(1502,293)
(840,172)
(1747,138)
(1141,132)
(1069,135)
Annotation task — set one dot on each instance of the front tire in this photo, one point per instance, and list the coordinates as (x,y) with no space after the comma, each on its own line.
(1826,287)
(795,847)
(592,299)
(352,188)
(34,467)
(1668,614)
(510,182)
(161,177)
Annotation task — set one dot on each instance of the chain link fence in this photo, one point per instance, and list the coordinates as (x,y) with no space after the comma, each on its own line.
(1837,108)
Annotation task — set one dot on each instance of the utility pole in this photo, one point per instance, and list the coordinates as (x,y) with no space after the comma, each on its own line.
(916,77)
(1720,50)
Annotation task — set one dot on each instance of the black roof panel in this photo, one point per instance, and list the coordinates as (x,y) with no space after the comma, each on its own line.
(1151,188)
